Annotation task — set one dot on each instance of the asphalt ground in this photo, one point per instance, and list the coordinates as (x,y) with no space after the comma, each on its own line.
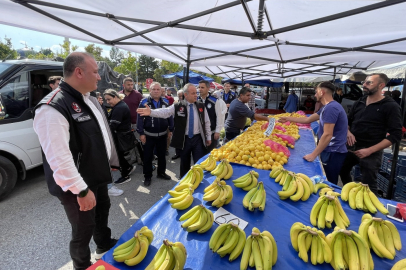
(35,232)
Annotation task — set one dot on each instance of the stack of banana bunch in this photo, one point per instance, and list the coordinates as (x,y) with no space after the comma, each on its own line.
(209,163)
(247,181)
(228,238)
(255,198)
(295,186)
(194,176)
(400,265)
(199,219)
(218,192)
(224,170)
(326,210)
(381,235)
(134,250)
(324,189)
(350,250)
(182,196)
(305,238)
(359,196)
(260,251)
(170,256)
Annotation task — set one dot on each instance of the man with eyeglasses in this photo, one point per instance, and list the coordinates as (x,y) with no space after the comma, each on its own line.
(374,123)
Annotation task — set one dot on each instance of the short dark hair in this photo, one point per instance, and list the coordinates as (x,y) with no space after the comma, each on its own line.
(205,82)
(244,90)
(74,60)
(383,77)
(53,79)
(128,79)
(227,83)
(328,86)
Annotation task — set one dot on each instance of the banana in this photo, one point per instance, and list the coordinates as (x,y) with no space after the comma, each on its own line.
(330,212)
(239,247)
(307,179)
(400,265)
(346,190)
(230,195)
(338,220)
(315,210)
(211,166)
(283,177)
(257,254)
(212,185)
(363,230)
(190,213)
(179,254)
(338,252)
(246,253)
(299,191)
(247,197)
(231,242)
(294,232)
(352,195)
(124,245)
(205,162)
(229,172)
(132,252)
(184,204)
(275,172)
(182,186)
(302,246)
(314,249)
(211,196)
(267,253)
(148,233)
(256,174)
(267,234)
(368,203)
(219,169)
(224,171)
(388,239)
(158,258)
(377,203)
(280,176)
(178,199)
(307,189)
(321,221)
(359,199)
(289,192)
(169,259)
(286,183)
(123,252)
(209,222)
(366,216)
(376,244)
(327,254)
(319,186)
(222,238)
(353,255)
(395,234)
(245,181)
(340,209)
(308,241)
(242,179)
(324,190)
(363,250)
(262,205)
(200,223)
(258,197)
(217,233)
(174,193)
(144,244)
(253,183)
(219,201)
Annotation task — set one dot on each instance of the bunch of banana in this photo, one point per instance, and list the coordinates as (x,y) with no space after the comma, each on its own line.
(359,196)
(170,256)
(247,181)
(294,187)
(276,172)
(324,188)
(134,250)
(260,251)
(182,196)
(194,176)
(224,170)
(218,192)
(228,238)
(400,265)
(209,163)
(326,210)
(350,250)
(305,238)
(381,235)
(255,198)
(199,219)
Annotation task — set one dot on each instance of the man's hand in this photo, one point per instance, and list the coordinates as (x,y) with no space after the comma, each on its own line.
(283,119)
(144,111)
(169,134)
(350,138)
(88,202)
(208,143)
(228,105)
(363,153)
(216,136)
(310,157)
(143,139)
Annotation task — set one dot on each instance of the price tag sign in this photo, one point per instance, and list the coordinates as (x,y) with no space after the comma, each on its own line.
(223,216)
(270,128)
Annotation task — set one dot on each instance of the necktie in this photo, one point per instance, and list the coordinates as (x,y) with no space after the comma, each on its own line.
(191,116)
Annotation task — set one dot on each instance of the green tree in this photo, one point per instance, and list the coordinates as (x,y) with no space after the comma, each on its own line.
(6,50)
(217,79)
(158,72)
(170,66)
(96,51)
(41,55)
(147,66)
(128,66)
(66,49)
(116,56)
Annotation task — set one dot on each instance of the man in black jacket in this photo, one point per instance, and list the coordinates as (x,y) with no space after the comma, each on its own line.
(374,123)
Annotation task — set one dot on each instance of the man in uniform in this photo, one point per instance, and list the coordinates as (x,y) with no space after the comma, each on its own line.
(78,152)
(228,96)
(154,133)
(192,126)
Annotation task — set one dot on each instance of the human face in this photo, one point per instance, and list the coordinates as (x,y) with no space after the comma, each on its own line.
(55,85)
(227,87)
(180,96)
(168,92)
(191,95)
(372,85)
(163,91)
(247,85)
(319,94)
(91,75)
(204,91)
(245,97)
(155,91)
(112,101)
(128,86)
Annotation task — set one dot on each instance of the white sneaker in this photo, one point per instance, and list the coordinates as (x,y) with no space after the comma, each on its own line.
(113,191)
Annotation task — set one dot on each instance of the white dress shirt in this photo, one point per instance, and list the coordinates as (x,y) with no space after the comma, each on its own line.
(52,129)
(170,111)
(219,115)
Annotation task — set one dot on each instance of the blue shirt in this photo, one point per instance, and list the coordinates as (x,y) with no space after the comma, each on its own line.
(156,103)
(291,103)
(333,113)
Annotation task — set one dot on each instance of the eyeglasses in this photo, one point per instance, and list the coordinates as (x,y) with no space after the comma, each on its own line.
(366,82)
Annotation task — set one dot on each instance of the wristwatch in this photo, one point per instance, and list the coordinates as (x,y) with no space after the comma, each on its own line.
(83,193)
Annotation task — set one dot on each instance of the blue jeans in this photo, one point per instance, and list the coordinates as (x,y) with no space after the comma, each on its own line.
(332,163)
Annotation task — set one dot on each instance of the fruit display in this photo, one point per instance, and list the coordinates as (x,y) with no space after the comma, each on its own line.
(350,250)
(218,192)
(326,210)
(260,251)
(400,265)
(255,198)
(247,181)
(228,238)
(194,176)
(305,239)
(199,219)
(134,250)
(170,256)
(380,235)
(209,163)
(223,170)
(182,196)
(360,197)
(295,186)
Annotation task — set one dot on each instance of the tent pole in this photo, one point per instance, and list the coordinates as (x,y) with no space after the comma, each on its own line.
(334,78)
(188,64)
(242,79)
(396,151)
(267,97)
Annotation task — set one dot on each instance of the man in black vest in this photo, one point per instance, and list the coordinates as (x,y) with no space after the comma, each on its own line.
(192,130)
(214,111)
(78,153)
(154,133)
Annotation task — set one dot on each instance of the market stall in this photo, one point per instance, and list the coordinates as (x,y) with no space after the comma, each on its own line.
(277,218)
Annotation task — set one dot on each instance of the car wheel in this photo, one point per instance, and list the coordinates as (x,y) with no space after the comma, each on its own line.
(8,177)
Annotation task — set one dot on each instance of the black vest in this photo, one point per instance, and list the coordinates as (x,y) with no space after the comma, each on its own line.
(153,124)
(86,139)
(231,97)
(180,120)
(210,104)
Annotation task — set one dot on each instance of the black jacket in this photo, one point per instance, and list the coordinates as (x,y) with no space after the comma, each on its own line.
(153,124)
(120,118)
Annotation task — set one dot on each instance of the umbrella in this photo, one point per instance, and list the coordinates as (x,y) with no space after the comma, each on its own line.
(214,85)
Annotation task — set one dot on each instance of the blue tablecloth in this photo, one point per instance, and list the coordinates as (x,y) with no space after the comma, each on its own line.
(277,218)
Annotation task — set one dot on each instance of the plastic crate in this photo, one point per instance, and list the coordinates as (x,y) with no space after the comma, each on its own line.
(386,165)
(383,181)
(400,190)
(356,173)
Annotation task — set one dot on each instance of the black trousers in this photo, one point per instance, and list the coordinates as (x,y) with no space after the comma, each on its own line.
(231,135)
(212,145)
(86,224)
(193,146)
(159,144)
(125,167)
(369,167)
(332,163)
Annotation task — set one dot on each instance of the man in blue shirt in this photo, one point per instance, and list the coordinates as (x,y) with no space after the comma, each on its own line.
(291,103)
(332,132)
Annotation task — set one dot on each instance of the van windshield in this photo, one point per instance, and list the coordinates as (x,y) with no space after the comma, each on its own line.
(4,67)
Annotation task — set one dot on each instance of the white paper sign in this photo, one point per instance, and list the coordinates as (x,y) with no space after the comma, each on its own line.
(223,216)
(270,128)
